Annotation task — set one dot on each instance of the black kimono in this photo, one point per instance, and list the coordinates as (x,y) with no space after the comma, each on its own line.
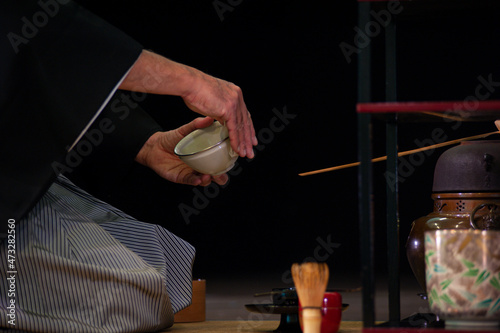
(59,66)
(70,262)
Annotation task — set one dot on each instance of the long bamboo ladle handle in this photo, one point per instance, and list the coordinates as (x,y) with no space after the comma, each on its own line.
(404,153)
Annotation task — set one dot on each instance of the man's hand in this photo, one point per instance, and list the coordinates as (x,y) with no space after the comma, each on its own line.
(158,154)
(204,94)
(224,102)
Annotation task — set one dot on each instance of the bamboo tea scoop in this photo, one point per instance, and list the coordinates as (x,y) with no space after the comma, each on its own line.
(310,281)
(404,153)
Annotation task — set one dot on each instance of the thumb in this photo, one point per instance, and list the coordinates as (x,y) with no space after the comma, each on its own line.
(195,124)
(196,179)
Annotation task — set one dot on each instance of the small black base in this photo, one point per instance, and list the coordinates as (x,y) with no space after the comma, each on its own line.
(289,323)
(418,320)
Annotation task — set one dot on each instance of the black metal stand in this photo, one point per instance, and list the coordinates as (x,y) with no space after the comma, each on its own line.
(365,177)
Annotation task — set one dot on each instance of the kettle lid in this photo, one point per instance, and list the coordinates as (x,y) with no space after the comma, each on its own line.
(472,166)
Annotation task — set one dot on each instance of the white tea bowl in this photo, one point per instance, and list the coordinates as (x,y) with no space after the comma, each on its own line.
(207,150)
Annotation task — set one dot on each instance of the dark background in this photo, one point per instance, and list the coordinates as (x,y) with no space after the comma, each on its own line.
(285,55)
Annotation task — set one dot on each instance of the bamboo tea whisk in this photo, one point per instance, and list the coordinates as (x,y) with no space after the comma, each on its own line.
(310,281)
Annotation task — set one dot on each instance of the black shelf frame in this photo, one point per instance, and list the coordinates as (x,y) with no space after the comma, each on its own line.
(488,110)
(365,176)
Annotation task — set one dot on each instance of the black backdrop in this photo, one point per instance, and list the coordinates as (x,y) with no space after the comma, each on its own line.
(301,91)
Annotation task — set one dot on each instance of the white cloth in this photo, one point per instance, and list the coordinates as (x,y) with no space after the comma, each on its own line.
(84,266)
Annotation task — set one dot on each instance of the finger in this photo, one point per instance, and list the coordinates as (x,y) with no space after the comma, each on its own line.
(196,179)
(221,179)
(251,138)
(246,133)
(205,180)
(243,130)
(203,122)
(234,136)
(232,118)
(193,180)
(243,135)
(182,175)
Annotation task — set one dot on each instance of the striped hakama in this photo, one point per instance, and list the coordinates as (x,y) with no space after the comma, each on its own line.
(82,265)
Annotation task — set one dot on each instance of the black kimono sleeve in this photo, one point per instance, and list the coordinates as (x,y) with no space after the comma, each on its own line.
(59,65)
(104,156)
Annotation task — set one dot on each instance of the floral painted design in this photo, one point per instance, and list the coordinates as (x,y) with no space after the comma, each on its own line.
(463,273)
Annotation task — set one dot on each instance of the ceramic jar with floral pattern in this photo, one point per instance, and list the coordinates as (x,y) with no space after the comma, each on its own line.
(463,276)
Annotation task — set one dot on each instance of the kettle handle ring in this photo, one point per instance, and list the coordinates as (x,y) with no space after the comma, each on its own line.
(489,204)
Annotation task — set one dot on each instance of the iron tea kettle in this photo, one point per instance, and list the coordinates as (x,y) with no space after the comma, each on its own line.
(466,194)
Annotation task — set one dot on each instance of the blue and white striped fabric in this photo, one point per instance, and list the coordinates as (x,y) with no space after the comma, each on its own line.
(85,266)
